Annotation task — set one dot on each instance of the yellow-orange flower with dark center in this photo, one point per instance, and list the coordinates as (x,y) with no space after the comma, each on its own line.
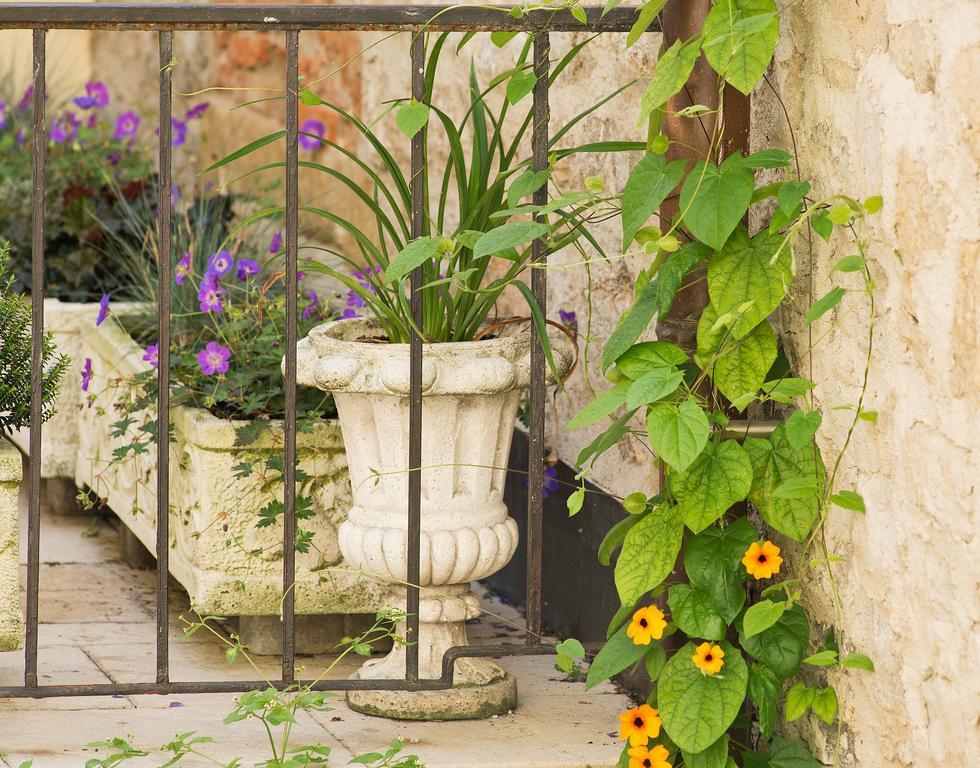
(762,560)
(639,725)
(708,658)
(648,624)
(641,757)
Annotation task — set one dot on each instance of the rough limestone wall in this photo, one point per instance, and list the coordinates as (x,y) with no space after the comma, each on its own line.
(883,99)
(11,622)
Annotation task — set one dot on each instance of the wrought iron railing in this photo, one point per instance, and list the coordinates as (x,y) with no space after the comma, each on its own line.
(290,20)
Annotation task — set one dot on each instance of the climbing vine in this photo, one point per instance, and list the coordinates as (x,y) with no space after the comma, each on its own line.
(709,606)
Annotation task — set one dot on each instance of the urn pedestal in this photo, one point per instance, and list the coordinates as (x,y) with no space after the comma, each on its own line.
(471,391)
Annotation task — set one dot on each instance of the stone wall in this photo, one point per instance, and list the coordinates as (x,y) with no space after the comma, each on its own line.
(11,622)
(883,100)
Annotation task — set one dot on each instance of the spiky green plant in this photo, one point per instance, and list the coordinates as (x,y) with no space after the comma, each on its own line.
(15,358)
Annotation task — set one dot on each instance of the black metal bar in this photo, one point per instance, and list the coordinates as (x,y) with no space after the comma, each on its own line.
(270,17)
(414,538)
(539,287)
(163,366)
(235,686)
(289,467)
(37,362)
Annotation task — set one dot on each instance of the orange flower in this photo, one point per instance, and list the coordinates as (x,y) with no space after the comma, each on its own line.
(648,623)
(641,757)
(639,725)
(762,561)
(708,658)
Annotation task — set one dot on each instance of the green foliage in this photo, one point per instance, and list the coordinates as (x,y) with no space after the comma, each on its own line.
(649,551)
(16,354)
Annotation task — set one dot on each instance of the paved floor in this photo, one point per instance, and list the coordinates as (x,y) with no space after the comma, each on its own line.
(97,626)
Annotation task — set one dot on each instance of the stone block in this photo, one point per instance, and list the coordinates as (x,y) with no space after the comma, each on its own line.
(11,621)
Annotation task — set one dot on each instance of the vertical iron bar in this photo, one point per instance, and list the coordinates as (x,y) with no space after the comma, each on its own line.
(539,287)
(37,362)
(415,375)
(289,470)
(166,40)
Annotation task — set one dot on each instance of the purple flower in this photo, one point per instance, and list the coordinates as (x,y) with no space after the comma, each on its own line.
(127,124)
(550,484)
(103,309)
(364,278)
(209,294)
(25,100)
(213,359)
(275,245)
(152,355)
(21,137)
(348,314)
(178,135)
(221,263)
(183,268)
(64,128)
(568,319)
(354,299)
(96,95)
(246,268)
(86,374)
(113,158)
(312,307)
(175,193)
(3,114)
(313,127)
(299,274)
(197,110)
(93,119)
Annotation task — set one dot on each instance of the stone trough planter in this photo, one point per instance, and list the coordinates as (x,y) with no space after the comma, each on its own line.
(227,565)
(11,621)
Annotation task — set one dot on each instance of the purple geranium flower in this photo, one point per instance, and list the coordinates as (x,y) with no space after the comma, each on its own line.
(183,268)
(96,95)
(247,268)
(311,126)
(275,245)
(25,100)
(213,359)
(550,484)
(103,309)
(86,374)
(21,136)
(3,114)
(311,308)
(348,314)
(209,294)
(568,319)
(64,128)
(178,136)
(221,263)
(197,110)
(152,355)
(113,158)
(354,299)
(127,124)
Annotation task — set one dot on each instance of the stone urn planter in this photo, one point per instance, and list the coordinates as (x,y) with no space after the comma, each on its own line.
(228,566)
(471,392)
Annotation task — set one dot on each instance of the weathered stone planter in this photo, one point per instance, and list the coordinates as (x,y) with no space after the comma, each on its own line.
(11,621)
(227,565)
(471,392)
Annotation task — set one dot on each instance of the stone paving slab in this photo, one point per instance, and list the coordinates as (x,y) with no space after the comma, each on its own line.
(98,626)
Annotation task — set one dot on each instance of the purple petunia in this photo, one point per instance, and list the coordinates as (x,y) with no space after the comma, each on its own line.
(314,127)
(96,96)
(86,374)
(568,319)
(127,124)
(213,359)
(310,309)
(103,309)
(152,355)
(247,268)
(183,268)
(275,245)
(64,128)
(209,294)
(178,136)
(197,110)
(221,263)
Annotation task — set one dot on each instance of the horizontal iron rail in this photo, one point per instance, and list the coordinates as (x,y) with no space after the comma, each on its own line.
(240,686)
(271,17)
